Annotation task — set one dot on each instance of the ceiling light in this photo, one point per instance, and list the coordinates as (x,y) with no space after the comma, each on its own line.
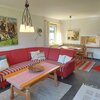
(70,30)
(26,25)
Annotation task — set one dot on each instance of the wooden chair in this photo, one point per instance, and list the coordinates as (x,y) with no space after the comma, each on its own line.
(88,53)
(81,54)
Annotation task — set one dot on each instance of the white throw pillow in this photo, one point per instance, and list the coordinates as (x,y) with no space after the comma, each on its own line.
(3,64)
(34,54)
(67,59)
(61,58)
(41,56)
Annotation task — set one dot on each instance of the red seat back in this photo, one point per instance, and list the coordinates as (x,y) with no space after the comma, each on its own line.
(19,55)
(53,54)
(8,55)
(68,52)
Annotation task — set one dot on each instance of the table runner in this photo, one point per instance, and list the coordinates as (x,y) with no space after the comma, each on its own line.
(27,75)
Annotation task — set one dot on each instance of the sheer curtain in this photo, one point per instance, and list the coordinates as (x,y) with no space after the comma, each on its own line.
(58,35)
(46,32)
(58,39)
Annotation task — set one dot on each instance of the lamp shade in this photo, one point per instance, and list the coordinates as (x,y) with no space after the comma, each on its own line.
(27,29)
(22,28)
(32,29)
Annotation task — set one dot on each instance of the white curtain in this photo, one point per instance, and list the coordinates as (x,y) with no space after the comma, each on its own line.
(46,32)
(58,39)
(58,36)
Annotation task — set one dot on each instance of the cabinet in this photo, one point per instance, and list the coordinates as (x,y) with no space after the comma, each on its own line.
(95,50)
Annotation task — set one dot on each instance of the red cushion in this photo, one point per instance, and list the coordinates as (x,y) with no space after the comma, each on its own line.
(97,67)
(68,52)
(8,55)
(19,55)
(53,54)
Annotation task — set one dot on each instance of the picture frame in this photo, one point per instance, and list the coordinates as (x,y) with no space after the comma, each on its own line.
(72,35)
(89,40)
(8,31)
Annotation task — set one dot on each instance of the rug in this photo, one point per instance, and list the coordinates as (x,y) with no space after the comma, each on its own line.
(87,66)
(87,93)
(44,90)
(97,67)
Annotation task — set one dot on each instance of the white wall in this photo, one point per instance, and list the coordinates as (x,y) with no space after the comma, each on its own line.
(24,39)
(86,27)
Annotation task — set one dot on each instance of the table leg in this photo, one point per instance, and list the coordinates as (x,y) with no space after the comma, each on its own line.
(27,94)
(12,93)
(55,78)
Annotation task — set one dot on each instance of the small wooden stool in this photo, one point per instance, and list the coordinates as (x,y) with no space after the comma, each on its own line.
(89,53)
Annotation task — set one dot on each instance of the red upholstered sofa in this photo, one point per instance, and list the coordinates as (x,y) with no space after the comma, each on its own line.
(21,58)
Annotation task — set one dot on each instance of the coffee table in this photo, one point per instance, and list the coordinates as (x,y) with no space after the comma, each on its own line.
(21,81)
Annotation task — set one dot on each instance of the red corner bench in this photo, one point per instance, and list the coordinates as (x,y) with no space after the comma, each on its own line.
(21,58)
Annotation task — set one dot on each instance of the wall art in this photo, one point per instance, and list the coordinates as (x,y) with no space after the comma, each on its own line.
(8,31)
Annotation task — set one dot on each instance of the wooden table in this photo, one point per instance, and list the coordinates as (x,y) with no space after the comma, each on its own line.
(21,81)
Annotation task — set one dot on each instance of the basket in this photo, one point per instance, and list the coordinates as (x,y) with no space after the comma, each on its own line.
(36,68)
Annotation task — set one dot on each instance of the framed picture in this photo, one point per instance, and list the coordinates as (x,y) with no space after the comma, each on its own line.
(91,39)
(73,35)
(88,39)
(8,31)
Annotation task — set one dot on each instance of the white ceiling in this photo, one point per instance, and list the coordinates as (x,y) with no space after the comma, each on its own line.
(58,9)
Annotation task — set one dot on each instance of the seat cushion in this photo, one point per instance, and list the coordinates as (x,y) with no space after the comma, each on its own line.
(17,67)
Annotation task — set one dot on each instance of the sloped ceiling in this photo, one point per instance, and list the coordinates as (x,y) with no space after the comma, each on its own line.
(58,9)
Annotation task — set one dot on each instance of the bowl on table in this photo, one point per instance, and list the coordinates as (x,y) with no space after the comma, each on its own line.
(36,68)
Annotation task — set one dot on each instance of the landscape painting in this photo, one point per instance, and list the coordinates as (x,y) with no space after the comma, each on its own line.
(88,39)
(91,39)
(8,31)
(73,35)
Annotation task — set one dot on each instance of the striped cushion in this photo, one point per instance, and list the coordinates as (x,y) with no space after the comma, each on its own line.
(17,67)
(40,56)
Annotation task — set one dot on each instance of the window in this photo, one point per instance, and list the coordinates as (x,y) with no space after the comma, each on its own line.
(52,33)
